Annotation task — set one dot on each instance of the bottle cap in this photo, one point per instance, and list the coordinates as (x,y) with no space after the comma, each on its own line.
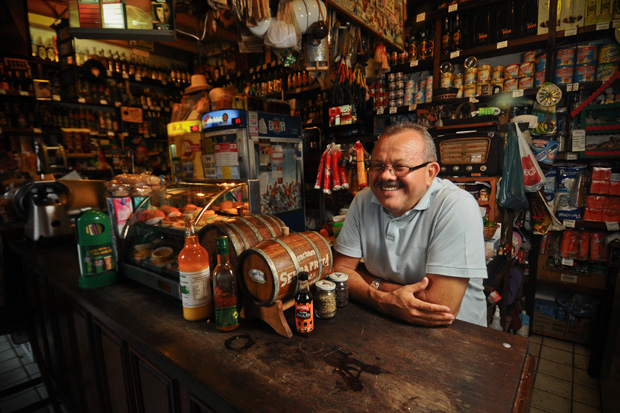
(325,285)
(338,276)
(221,245)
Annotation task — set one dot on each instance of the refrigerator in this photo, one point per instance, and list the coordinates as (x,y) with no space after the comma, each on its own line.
(184,149)
(242,145)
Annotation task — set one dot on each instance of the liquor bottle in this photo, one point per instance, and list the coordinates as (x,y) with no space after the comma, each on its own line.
(446,38)
(482,25)
(529,18)
(195,276)
(458,38)
(424,51)
(505,21)
(304,306)
(224,289)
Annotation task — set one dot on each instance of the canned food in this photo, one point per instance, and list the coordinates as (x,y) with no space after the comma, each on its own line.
(584,74)
(512,71)
(484,73)
(392,95)
(429,83)
(391,77)
(586,55)
(511,84)
(399,76)
(470,77)
(526,69)
(459,93)
(400,94)
(565,57)
(609,53)
(563,75)
(392,103)
(408,99)
(392,86)
(469,90)
(428,95)
(419,97)
(458,80)
(400,85)
(498,82)
(539,79)
(605,71)
(399,102)
(446,79)
(529,56)
(497,72)
(526,82)
(541,63)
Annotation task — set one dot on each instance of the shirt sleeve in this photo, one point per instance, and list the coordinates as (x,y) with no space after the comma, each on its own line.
(349,240)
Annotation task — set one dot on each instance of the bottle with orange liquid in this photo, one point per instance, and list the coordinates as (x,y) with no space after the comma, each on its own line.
(195,276)
(224,289)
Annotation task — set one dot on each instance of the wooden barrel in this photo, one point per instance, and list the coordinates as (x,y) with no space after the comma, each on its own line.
(242,232)
(268,271)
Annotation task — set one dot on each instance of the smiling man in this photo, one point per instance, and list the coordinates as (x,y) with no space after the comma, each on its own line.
(421,237)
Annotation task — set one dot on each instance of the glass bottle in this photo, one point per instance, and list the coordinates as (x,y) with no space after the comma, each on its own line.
(423,51)
(505,21)
(457,36)
(195,276)
(481,26)
(446,38)
(224,289)
(529,18)
(304,306)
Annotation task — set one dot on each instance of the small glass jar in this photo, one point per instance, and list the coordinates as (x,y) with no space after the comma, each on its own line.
(325,299)
(342,288)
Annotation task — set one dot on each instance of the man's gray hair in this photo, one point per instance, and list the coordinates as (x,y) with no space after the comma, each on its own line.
(429,154)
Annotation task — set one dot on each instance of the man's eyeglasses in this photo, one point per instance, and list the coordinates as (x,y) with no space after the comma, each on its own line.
(396,170)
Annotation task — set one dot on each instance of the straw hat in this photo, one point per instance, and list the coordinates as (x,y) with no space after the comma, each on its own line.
(199,83)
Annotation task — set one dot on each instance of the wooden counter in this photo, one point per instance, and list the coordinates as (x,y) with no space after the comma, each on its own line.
(133,351)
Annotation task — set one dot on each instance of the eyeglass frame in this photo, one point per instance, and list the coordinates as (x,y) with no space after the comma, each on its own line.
(393,171)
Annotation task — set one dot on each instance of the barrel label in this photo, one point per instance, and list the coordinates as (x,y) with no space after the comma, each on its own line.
(257,276)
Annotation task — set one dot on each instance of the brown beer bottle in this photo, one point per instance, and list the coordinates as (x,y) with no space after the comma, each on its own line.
(304,306)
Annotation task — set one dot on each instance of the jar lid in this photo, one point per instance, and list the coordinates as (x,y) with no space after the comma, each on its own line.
(325,285)
(338,276)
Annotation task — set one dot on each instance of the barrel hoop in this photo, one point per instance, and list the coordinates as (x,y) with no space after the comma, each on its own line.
(329,249)
(252,227)
(233,235)
(275,219)
(240,233)
(267,224)
(291,253)
(316,252)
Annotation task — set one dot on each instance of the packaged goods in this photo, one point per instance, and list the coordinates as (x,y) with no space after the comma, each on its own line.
(526,69)
(541,63)
(563,75)
(565,57)
(605,71)
(586,55)
(609,53)
(511,71)
(584,74)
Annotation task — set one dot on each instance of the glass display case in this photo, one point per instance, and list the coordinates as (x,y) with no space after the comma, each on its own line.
(154,235)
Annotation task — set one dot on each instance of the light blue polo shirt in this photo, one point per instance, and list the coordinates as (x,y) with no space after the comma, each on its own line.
(442,234)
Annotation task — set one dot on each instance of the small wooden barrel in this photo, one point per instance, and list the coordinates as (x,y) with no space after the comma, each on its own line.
(242,232)
(268,271)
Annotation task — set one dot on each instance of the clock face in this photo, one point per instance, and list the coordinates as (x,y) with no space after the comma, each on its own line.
(549,95)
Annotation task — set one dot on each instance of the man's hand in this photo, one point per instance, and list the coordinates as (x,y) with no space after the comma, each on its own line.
(402,303)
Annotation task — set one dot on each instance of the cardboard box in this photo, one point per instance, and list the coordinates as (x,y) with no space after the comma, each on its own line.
(579,330)
(571,14)
(548,326)
(590,10)
(543,16)
(561,274)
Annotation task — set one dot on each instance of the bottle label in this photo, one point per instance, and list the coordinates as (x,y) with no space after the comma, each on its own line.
(196,288)
(226,316)
(304,317)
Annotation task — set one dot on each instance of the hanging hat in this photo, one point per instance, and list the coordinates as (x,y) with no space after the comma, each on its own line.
(199,83)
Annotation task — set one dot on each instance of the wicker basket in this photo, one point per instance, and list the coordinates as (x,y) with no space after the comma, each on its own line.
(489,231)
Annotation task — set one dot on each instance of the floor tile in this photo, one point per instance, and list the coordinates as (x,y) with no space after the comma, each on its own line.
(559,344)
(557,355)
(536,410)
(11,378)
(558,370)
(10,364)
(581,361)
(554,385)
(550,402)
(586,395)
(579,349)
(533,349)
(580,376)
(535,339)
(21,399)
(4,345)
(584,408)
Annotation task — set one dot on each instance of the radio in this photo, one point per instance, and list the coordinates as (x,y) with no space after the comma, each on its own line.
(470,154)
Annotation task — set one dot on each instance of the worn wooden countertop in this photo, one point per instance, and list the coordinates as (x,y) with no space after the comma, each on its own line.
(359,360)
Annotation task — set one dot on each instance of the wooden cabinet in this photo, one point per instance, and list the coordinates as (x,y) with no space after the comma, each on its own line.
(484,189)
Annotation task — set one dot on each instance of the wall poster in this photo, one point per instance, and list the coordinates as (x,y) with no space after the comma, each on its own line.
(384,18)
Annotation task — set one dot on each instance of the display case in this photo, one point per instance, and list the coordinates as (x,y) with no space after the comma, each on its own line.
(154,235)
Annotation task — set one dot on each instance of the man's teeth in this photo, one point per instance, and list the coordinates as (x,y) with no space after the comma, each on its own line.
(389,188)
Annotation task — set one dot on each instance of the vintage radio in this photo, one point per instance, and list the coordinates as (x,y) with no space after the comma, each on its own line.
(470,154)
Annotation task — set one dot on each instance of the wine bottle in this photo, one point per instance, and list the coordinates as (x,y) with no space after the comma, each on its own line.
(505,21)
(458,38)
(446,38)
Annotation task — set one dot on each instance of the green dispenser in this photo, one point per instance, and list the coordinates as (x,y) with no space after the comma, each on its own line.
(96,252)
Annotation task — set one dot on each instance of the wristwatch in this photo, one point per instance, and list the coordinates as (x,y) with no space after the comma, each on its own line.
(376,283)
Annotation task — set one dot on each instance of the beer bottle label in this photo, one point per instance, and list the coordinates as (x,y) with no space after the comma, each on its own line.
(304,317)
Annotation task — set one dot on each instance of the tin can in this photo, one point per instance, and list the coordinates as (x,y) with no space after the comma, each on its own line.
(565,57)
(446,79)
(584,74)
(391,77)
(563,75)
(497,72)
(529,56)
(498,82)
(428,95)
(400,85)
(605,71)
(484,73)
(399,102)
(392,103)
(469,90)
(392,95)
(586,55)
(392,86)
(526,82)
(458,80)
(408,99)
(471,76)
(526,69)
(399,76)
(539,79)
(511,84)
(541,63)
(429,83)
(459,93)
(609,53)
(512,71)
(419,97)
(400,94)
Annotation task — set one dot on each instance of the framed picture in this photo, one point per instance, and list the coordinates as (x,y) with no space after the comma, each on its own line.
(42,89)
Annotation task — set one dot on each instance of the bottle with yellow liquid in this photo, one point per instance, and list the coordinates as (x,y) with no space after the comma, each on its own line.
(195,277)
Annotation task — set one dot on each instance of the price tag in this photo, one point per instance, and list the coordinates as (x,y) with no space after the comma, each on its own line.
(420,17)
(612,226)
(571,156)
(570,32)
(569,223)
(81,100)
(413,107)
(125,75)
(110,133)
(455,54)
(579,140)
(452,8)
(569,87)
(602,26)
(575,87)
(23,93)
(517,93)
(501,45)
(567,261)
(103,102)
(380,111)
(56,98)
(413,63)
(393,110)
(568,278)
(37,130)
